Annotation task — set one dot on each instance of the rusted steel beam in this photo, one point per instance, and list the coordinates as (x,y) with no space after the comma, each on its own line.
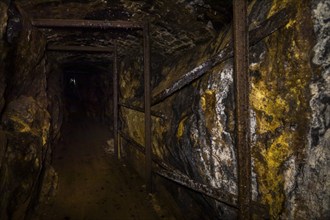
(90,24)
(147,104)
(85,49)
(139,109)
(241,90)
(115,103)
(266,28)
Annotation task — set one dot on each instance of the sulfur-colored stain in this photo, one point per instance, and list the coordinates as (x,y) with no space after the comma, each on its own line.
(208,103)
(135,125)
(280,101)
(180,130)
(278,5)
(207,99)
(271,181)
(290,24)
(23,126)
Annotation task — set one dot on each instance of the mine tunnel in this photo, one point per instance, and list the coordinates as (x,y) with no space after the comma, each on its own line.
(190,109)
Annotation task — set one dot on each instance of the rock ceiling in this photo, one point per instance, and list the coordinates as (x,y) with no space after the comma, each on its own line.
(176,25)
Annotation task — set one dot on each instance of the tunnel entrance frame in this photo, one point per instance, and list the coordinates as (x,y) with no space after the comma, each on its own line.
(105,25)
(241,44)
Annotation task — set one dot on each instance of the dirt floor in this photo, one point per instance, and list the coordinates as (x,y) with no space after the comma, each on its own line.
(92,184)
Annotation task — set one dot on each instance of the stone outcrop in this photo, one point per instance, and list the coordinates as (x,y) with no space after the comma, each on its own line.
(25,157)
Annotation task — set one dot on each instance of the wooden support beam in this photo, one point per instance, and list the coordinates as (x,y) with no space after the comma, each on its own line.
(90,24)
(242,119)
(266,28)
(115,103)
(84,49)
(147,105)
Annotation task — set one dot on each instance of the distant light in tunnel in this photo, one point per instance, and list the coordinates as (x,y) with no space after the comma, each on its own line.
(73,81)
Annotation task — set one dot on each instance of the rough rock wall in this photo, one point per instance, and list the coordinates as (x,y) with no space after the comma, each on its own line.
(313,177)
(3,51)
(55,98)
(26,122)
(289,102)
(3,54)
(289,141)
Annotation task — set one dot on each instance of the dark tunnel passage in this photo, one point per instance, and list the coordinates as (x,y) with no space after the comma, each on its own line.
(190,109)
(92,184)
(88,90)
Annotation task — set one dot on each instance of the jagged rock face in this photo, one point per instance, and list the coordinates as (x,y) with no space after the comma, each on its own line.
(28,125)
(55,98)
(280,112)
(3,138)
(289,101)
(313,179)
(3,52)
(26,121)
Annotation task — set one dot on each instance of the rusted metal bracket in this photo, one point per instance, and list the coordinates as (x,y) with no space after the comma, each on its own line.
(92,24)
(242,119)
(84,49)
(266,28)
(139,109)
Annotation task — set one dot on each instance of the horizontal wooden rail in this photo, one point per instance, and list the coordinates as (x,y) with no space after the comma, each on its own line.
(90,24)
(85,49)
(266,28)
(139,109)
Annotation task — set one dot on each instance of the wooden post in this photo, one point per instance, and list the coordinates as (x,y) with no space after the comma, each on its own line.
(242,88)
